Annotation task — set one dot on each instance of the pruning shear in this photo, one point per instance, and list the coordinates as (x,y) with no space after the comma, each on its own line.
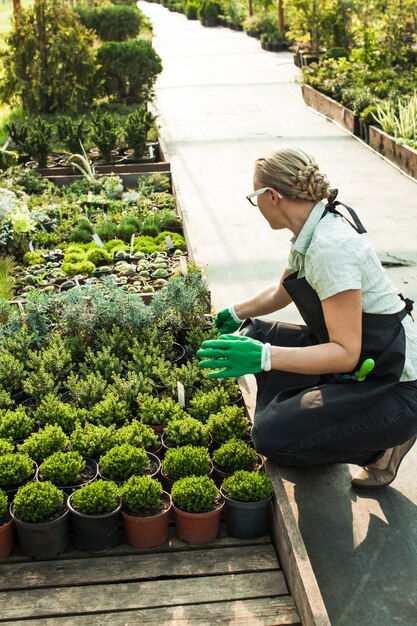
(366,367)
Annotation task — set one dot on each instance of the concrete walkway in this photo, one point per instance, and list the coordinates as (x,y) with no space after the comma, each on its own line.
(223,102)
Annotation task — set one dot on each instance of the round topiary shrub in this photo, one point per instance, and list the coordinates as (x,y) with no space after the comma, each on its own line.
(37,501)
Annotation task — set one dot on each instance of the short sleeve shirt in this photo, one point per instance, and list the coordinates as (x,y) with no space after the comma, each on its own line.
(333,257)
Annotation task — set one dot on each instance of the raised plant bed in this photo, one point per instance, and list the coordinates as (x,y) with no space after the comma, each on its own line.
(329,107)
(402,156)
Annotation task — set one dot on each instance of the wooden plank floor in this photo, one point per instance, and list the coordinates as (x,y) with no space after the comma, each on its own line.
(230,581)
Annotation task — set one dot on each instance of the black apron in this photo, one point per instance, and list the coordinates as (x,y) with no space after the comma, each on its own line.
(383,340)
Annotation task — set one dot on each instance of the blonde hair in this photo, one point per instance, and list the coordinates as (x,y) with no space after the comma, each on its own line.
(294,173)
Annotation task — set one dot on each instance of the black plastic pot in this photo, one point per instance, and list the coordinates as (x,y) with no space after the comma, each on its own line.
(95,533)
(42,540)
(247,520)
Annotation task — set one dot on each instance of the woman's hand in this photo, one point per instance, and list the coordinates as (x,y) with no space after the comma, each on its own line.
(234,356)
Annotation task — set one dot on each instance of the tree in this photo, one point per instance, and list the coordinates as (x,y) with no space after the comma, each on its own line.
(49,64)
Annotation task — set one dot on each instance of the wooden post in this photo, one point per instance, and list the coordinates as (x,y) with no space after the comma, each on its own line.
(16,8)
(281,23)
(250,8)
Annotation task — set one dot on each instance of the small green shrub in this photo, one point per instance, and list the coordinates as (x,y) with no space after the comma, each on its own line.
(93,440)
(45,442)
(186,461)
(112,23)
(203,404)
(33,258)
(99,256)
(37,501)
(247,486)
(6,447)
(62,468)
(11,372)
(140,494)
(15,424)
(96,498)
(4,505)
(15,469)
(52,411)
(86,391)
(229,423)
(181,432)
(110,410)
(156,411)
(124,461)
(7,159)
(195,494)
(138,435)
(154,183)
(234,455)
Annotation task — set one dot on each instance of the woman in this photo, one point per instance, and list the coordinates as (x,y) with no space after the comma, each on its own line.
(343,388)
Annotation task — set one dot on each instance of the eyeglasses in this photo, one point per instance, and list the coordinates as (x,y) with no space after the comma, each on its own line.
(259,192)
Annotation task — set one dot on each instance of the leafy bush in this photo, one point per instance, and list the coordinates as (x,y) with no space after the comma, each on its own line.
(6,400)
(138,435)
(72,132)
(6,447)
(234,455)
(98,256)
(186,461)
(229,423)
(86,391)
(14,469)
(124,461)
(62,468)
(4,505)
(155,411)
(40,383)
(154,183)
(52,411)
(203,404)
(45,442)
(195,494)
(181,432)
(7,159)
(36,502)
(110,410)
(105,134)
(96,498)
(103,362)
(112,23)
(93,440)
(136,130)
(140,494)
(11,372)
(247,486)
(15,424)
(129,68)
(209,10)
(49,63)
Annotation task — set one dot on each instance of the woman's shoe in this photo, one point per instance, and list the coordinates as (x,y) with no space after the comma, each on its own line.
(382,472)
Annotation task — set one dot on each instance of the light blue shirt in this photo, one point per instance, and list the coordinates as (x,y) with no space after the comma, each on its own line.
(333,257)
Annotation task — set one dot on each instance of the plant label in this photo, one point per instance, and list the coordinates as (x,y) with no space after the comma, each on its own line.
(31,248)
(183,266)
(98,240)
(132,243)
(169,242)
(181,394)
(90,196)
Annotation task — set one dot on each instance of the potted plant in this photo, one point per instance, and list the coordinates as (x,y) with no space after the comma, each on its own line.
(41,517)
(248,496)
(197,505)
(45,442)
(229,423)
(205,403)
(93,440)
(186,431)
(16,424)
(185,461)
(95,514)
(123,461)
(6,526)
(52,410)
(15,470)
(139,435)
(67,470)
(158,412)
(234,455)
(145,511)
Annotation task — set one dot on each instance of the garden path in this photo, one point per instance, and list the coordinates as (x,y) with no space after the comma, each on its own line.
(222,102)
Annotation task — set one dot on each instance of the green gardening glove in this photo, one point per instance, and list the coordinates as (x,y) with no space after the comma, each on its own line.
(226,320)
(233,356)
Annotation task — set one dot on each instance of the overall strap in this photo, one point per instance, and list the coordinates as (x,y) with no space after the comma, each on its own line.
(331,208)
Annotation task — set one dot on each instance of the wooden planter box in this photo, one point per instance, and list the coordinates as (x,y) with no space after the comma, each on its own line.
(329,107)
(402,156)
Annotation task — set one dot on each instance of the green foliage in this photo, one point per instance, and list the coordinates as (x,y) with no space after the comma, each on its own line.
(129,68)
(39,384)
(6,400)
(234,455)
(138,435)
(140,494)
(181,432)
(124,461)
(110,410)
(195,494)
(6,447)
(52,411)
(86,391)
(205,403)
(15,424)
(33,258)
(7,159)
(62,468)
(49,63)
(72,133)
(247,486)
(7,281)
(112,23)
(45,442)
(229,423)
(107,230)
(15,469)
(103,362)
(55,358)
(96,498)
(36,502)
(154,183)
(93,440)
(38,137)
(11,372)
(4,505)
(209,10)
(99,256)
(105,133)
(130,387)
(191,9)
(158,411)
(186,461)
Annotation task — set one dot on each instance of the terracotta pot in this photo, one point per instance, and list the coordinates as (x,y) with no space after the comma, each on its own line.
(6,539)
(198,528)
(149,531)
